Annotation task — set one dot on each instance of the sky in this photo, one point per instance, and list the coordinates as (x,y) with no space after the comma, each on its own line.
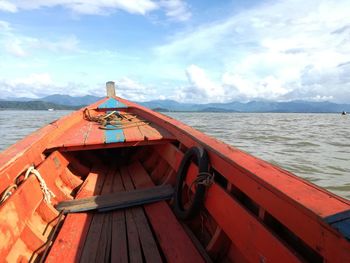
(191,51)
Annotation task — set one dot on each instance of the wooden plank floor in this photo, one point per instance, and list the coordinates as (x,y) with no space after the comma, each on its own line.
(134,234)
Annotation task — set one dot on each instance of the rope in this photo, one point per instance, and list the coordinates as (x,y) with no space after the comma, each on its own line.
(203,178)
(115,119)
(46,191)
(7,193)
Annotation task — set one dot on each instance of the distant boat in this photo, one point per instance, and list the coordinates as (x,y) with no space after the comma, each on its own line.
(51,109)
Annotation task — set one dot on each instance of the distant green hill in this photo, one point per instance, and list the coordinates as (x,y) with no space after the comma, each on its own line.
(251,106)
(33,105)
(61,99)
(160,109)
(58,101)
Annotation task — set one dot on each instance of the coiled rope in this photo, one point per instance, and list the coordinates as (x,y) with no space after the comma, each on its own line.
(114,120)
(46,191)
(203,178)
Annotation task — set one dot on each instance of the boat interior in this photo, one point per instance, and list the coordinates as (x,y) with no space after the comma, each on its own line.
(149,233)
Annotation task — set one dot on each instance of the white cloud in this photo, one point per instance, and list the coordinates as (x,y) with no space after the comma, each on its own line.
(133,90)
(197,41)
(278,50)
(83,6)
(129,89)
(31,86)
(38,85)
(14,46)
(5,26)
(202,89)
(43,84)
(242,88)
(100,7)
(174,9)
(23,46)
(68,43)
(7,6)
(322,98)
(41,79)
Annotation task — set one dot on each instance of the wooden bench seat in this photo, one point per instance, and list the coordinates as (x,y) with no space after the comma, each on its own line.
(175,243)
(139,234)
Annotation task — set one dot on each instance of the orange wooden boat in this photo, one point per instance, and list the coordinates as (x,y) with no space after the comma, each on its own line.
(228,206)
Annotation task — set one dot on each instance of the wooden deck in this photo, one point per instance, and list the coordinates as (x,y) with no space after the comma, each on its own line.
(140,234)
(88,135)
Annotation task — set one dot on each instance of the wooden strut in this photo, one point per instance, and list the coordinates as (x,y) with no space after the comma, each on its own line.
(108,202)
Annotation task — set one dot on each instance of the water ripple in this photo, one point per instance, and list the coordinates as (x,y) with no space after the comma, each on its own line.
(313,146)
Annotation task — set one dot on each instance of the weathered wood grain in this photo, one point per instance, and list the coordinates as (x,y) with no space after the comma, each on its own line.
(118,200)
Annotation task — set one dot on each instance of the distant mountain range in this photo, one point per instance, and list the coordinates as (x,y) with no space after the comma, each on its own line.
(252,106)
(58,101)
(33,105)
(62,99)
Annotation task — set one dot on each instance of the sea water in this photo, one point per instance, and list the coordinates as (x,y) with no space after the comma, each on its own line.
(313,146)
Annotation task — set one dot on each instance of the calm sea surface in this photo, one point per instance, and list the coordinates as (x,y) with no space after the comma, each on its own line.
(313,146)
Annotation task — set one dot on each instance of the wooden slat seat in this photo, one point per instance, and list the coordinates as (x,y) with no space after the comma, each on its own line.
(175,243)
(95,233)
(112,201)
(136,241)
(138,234)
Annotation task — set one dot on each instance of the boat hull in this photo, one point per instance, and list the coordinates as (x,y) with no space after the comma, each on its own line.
(252,211)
